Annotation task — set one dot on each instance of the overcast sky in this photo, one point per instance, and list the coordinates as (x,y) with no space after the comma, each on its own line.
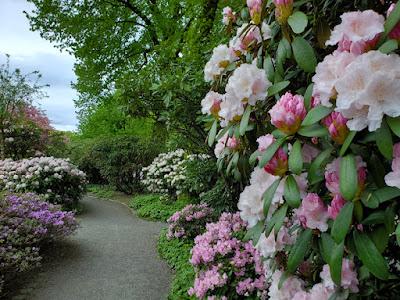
(30,52)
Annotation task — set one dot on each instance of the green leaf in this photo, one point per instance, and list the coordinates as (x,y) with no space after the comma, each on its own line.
(347,142)
(308,96)
(270,151)
(368,200)
(276,220)
(291,192)
(316,114)
(380,237)
(335,265)
(232,163)
(397,232)
(277,87)
(392,20)
(254,156)
(370,256)
(269,194)
(377,217)
(299,250)
(284,51)
(315,173)
(386,193)
(245,120)
(384,141)
(348,178)
(296,158)
(304,54)
(394,124)
(222,132)
(298,22)
(389,46)
(342,223)
(269,68)
(254,232)
(284,276)
(326,246)
(314,130)
(212,134)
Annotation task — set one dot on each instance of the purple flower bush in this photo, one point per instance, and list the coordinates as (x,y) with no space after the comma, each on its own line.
(226,266)
(26,223)
(190,221)
(58,180)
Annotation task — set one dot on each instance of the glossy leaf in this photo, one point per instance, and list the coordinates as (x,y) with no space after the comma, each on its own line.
(327,245)
(389,46)
(347,142)
(299,250)
(212,134)
(304,54)
(384,141)
(254,232)
(316,114)
(314,130)
(269,194)
(335,265)
(276,220)
(348,178)
(315,173)
(394,124)
(270,151)
(291,192)
(342,223)
(296,158)
(298,22)
(245,120)
(277,87)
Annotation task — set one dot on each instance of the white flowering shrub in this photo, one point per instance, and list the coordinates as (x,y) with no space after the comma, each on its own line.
(167,173)
(58,180)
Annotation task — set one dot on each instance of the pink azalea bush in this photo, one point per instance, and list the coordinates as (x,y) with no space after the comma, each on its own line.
(190,221)
(314,140)
(226,266)
(26,223)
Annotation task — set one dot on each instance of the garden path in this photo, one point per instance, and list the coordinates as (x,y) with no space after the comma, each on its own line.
(113,256)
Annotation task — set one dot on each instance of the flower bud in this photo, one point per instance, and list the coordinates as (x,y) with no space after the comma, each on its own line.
(288,113)
(229,16)
(283,10)
(336,205)
(336,125)
(255,7)
(278,165)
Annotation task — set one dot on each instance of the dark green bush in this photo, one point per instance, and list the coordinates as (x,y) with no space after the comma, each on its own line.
(222,196)
(177,254)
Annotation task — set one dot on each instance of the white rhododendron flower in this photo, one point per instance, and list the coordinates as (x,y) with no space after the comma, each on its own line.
(327,73)
(368,90)
(230,109)
(222,56)
(248,84)
(211,103)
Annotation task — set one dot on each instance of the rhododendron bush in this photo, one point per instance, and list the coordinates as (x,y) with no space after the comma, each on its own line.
(57,180)
(27,222)
(307,115)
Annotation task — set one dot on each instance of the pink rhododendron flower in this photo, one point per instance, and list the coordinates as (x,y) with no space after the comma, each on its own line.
(288,113)
(336,125)
(368,90)
(229,16)
(226,141)
(255,7)
(393,178)
(335,206)
(211,104)
(309,153)
(313,213)
(246,38)
(283,10)
(326,75)
(349,276)
(290,287)
(358,32)
(332,172)
(278,164)
(395,33)
(266,245)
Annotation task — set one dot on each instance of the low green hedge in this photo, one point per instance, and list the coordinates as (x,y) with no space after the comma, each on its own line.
(154,208)
(177,254)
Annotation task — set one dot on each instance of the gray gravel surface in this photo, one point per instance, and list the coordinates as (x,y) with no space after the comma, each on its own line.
(112,256)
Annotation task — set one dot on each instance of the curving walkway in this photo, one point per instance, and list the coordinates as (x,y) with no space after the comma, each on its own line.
(113,256)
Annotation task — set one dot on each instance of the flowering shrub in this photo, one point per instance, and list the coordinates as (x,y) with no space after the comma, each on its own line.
(226,267)
(26,222)
(167,173)
(190,221)
(322,140)
(56,179)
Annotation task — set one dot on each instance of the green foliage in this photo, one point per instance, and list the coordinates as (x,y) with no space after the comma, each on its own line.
(156,208)
(221,196)
(177,254)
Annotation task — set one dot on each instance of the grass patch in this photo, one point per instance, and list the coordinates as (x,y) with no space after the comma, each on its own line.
(153,208)
(177,254)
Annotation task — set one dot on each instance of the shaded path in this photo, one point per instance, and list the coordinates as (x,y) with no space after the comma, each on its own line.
(113,256)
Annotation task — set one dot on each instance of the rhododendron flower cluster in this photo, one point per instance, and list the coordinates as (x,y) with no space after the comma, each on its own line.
(26,222)
(166,174)
(190,221)
(226,266)
(313,144)
(56,179)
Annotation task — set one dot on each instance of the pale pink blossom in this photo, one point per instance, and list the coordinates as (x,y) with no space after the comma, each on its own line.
(349,276)
(290,287)
(220,59)
(313,213)
(267,245)
(326,75)
(231,109)
(211,104)
(358,31)
(228,16)
(368,90)
(393,178)
(288,113)
(332,172)
(336,125)
(225,142)
(309,153)
(246,38)
(335,206)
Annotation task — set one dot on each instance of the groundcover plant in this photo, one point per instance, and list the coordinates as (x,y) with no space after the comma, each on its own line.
(308,110)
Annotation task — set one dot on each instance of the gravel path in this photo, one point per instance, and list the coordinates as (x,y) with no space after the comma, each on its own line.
(113,256)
